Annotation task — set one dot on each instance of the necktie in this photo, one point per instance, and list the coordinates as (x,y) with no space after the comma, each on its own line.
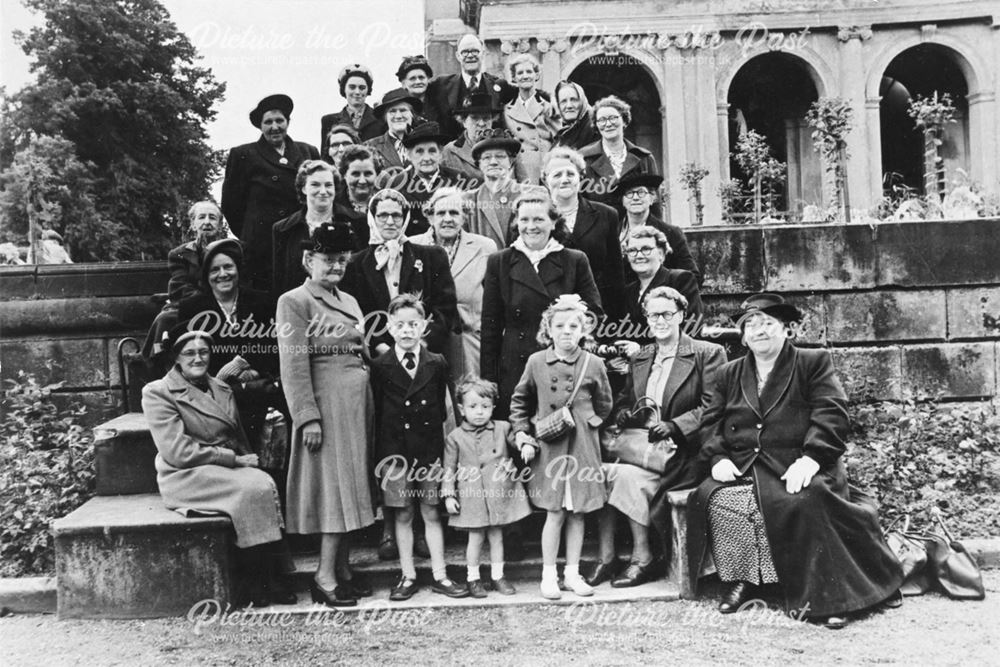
(409,362)
(474,84)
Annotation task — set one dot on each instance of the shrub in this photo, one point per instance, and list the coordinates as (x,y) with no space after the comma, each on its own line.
(916,456)
(46,471)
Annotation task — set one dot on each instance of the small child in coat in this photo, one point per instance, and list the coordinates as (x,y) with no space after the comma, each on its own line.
(567,479)
(482,488)
(410,385)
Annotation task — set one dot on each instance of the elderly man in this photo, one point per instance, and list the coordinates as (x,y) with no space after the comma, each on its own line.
(478,115)
(492,202)
(446,94)
(259,185)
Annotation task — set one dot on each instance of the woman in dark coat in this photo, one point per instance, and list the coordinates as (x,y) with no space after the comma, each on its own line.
(355,85)
(577,128)
(521,281)
(778,508)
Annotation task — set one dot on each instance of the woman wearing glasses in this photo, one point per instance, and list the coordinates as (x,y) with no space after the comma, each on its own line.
(777,508)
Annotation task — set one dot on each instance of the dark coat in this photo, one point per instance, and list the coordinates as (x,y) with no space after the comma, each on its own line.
(579,134)
(445,94)
(680,255)
(431,279)
(184,265)
(258,190)
(514,297)
(371,126)
(417,192)
(410,412)
(596,235)
(599,180)
(286,242)
(688,386)
(385,146)
(458,156)
(637,328)
(828,548)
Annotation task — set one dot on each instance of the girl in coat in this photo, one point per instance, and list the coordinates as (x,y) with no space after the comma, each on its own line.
(482,489)
(566,478)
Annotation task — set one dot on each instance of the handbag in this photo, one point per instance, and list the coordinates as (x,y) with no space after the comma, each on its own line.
(632,445)
(273,441)
(955,569)
(911,551)
(553,426)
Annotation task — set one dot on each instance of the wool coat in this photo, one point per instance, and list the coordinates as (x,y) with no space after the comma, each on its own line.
(184,265)
(574,460)
(828,548)
(468,267)
(637,329)
(418,191)
(480,473)
(287,236)
(371,126)
(385,146)
(458,156)
(257,191)
(492,214)
(599,180)
(578,134)
(447,92)
(423,271)
(596,235)
(534,123)
(514,297)
(680,255)
(410,412)
(198,436)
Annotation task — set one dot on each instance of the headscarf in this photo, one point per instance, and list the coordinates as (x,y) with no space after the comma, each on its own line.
(386,252)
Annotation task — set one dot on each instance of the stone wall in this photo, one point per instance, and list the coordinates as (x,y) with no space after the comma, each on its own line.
(909,309)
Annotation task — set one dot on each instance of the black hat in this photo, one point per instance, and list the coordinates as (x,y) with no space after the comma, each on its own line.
(496,139)
(411,63)
(354,69)
(481,103)
(429,131)
(282,103)
(637,180)
(396,96)
(230,247)
(769,304)
(331,237)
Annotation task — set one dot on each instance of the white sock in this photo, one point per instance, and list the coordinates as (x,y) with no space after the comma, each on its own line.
(440,575)
(473,574)
(571,571)
(549,573)
(496,571)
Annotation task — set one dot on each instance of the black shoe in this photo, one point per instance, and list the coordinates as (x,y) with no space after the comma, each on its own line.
(476,589)
(338,597)
(420,548)
(387,549)
(835,622)
(252,593)
(279,593)
(450,588)
(604,572)
(504,587)
(735,596)
(404,590)
(894,601)
(634,575)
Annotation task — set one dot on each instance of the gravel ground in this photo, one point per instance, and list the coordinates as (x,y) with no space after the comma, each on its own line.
(928,630)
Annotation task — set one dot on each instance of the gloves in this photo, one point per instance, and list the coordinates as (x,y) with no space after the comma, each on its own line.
(261,386)
(232,369)
(662,431)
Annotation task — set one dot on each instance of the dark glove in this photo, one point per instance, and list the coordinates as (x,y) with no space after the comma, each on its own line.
(662,431)
(261,386)
(623,419)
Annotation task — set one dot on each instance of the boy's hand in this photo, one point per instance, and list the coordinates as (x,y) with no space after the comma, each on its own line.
(451,505)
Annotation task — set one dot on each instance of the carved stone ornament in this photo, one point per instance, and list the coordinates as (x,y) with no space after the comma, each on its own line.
(859,32)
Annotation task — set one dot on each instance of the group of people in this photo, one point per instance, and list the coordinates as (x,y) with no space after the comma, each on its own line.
(453,317)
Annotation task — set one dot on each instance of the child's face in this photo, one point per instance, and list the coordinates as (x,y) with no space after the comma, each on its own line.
(566,330)
(476,409)
(406,327)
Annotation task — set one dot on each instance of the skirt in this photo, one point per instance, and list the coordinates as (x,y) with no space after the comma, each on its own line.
(739,540)
(631,490)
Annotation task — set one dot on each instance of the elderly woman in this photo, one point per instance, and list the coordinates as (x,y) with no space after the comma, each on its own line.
(204,463)
(325,378)
(414,73)
(339,139)
(355,84)
(613,157)
(530,117)
(359,169)
(778,508)
(675,376)
(593,227)
(399,109)
(520,283)
(577,128)
(467,253)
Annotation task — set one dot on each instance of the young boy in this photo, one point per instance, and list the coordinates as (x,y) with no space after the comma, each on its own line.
(410,384)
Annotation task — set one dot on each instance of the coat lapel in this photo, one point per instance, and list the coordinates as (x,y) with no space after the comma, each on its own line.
(780,378)
(522,271)
(374,277)
(406,263)
(467,251)
(200,401)
(748,383)
(486,202)
(585,221)
(331,301)
(680,371)
(640,374)
(423,374)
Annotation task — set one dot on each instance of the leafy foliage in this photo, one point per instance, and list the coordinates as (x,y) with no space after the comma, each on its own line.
(931,114)
(918,456)
(765,172)
(691,177)
(118,81)
(831,119)
(46,471)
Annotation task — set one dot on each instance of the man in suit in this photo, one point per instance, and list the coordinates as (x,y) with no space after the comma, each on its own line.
(259,186)
(398,109)
(445,94)
(492,203)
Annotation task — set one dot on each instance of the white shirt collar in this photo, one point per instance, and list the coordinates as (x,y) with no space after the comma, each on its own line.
(400,353)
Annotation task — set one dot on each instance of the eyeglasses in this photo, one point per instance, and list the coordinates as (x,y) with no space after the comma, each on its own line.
(636,194)
(340,144)
(191,354)
(385,217)
(637,252)
(665,315)
(470,52)
(608,120)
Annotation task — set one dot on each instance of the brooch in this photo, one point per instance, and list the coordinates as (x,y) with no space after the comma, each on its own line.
(419,265)
(496,87)
(283,160)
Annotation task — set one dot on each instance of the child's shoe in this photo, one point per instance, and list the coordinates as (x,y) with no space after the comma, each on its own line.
(476,589)
(578,585)
(550,589)
(504,587)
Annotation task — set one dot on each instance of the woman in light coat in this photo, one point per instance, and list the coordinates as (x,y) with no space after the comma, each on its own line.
(530,117)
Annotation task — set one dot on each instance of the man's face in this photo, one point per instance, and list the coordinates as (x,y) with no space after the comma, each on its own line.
(470,54)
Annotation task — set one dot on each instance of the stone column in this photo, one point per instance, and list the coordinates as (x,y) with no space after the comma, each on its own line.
(852,88)
(709,149)
(873,146)
(551,69)
(983,139)
(678,209)
(722,121)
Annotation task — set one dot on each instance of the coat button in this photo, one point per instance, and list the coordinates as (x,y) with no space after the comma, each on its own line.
(274,178)
(422,402)
(553,387)
(406,402)
(756,449)
(521,335)
(552,406)
(406,426)
(760,426)
(555,379)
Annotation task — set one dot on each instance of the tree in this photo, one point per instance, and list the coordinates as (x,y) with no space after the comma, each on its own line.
(118,81)
(830,118)
(931,114)
(691,177)
(753,155)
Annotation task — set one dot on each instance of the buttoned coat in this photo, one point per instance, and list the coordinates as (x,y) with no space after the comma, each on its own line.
(684,282)
(423,271)
(480,473)
(491,215)
(826,542)
(514,297)
(371,126)
(458,156)
(385,146)
(680,255)
(446,93)
(468,267)
(198,436)
(410,412)
(287,236)
(257,191)
(599,180)
(534,124)
(574,460)
(596,235)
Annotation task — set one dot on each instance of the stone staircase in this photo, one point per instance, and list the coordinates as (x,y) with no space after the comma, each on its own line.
(124,555)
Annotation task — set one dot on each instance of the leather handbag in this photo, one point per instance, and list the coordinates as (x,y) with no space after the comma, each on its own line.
(553,426)
(911,550)
(955,569)
(632,445)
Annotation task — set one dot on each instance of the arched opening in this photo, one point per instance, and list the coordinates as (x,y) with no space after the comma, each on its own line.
(633,83)
(920,70)
(770,95)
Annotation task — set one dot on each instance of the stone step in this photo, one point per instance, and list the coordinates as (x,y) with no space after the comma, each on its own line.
(124,456)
